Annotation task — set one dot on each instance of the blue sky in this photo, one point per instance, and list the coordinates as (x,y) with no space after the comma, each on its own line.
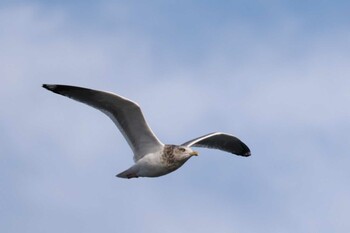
(274,73)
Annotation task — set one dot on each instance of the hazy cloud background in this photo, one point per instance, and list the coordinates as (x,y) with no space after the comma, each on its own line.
(274,73)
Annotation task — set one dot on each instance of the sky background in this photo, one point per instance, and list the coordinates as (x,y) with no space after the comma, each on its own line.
(274,73)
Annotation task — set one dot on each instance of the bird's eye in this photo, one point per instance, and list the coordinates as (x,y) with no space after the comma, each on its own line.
(182,149)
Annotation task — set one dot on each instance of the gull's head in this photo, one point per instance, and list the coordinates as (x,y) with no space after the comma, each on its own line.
(184,152)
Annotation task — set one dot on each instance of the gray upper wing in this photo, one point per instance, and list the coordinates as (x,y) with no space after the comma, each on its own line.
(124,113)
(220,141)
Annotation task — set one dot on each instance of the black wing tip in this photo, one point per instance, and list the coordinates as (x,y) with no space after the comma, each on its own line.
(246,154)
(47,86)
(50,87)
(58,89)
(245,151)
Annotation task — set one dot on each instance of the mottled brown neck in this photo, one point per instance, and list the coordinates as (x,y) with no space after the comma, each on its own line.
(169,158)
(169,150)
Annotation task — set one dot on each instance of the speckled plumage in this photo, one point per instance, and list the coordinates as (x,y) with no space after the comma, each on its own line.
(170,159)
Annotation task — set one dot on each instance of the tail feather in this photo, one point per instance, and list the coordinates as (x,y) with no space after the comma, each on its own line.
(128,174)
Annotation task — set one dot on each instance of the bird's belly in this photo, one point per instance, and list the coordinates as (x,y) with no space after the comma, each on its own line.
(154,170)
(154,167)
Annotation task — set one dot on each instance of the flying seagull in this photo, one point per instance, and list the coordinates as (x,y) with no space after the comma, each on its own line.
(152,157)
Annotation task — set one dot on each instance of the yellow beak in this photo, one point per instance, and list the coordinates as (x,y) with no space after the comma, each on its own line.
(195,153)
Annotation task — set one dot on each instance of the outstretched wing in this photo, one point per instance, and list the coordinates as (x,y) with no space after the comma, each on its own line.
(220,141)
(124,113)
